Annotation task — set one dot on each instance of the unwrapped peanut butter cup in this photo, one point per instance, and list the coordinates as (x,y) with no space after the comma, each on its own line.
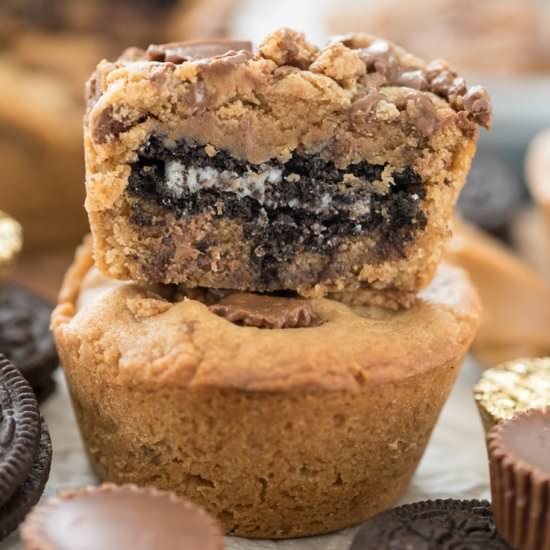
(114,517)
(512,387)
(11,241)
(519,458)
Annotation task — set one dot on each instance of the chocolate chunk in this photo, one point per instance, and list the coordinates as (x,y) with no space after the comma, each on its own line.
(519,458)
(179,52)
(255,310)
(432,525)
(29,493)
(478,104)
(114,517)
(106,127)
(19,429)
(361,108)
(25,336)
(422,113)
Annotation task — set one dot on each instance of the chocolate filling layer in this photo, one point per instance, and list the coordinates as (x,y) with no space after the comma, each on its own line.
(305,204)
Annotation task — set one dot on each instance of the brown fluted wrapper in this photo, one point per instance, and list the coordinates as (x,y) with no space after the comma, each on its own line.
(512,387)
(519,460)
(11,241)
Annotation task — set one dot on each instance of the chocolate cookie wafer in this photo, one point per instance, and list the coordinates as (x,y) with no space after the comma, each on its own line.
(29,493)
(19,429)
(432,525)
(25,337)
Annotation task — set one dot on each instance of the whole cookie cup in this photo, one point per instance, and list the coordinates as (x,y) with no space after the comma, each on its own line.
(279,432)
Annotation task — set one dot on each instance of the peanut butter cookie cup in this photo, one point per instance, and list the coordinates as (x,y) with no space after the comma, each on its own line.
(281,416)
(286,168)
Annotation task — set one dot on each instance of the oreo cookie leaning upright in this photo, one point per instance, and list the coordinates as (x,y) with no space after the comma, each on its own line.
(432,525)
(25,448)
(25,336)
(19,429)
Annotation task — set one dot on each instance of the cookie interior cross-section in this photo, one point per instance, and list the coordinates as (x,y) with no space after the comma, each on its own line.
(286,168)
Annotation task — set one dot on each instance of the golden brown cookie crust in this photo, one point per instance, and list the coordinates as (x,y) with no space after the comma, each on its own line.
(277,432)
(344,104)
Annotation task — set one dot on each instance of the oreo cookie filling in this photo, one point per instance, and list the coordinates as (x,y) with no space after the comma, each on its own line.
(306,204)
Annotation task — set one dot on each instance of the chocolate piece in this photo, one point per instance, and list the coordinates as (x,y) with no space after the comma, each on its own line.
(432,525)
(28,494)
(178,52)
(254,310)
(112,517)
(25,336)
(512,387)
(10,242)
(19,429)
(306,204)
(492,196)
(519,458)
(438,77)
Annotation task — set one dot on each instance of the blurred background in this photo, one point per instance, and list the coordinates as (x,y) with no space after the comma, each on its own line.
(49,47)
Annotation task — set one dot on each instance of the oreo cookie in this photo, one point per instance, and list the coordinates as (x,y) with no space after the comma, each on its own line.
(25,448)
(25,336)
(19,429)
(432,525)
(29,493)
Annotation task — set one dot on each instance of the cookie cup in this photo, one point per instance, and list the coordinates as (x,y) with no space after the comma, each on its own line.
(278,432)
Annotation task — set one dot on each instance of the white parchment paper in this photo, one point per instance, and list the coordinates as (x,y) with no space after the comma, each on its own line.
(455,463)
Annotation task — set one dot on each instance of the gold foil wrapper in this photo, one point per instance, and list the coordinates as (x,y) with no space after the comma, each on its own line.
(11,241)
(514,386)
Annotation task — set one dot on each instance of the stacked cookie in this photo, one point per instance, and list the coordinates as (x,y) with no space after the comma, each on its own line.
(264,325)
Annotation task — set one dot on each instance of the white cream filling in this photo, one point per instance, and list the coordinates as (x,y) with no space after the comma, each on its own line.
(181,179)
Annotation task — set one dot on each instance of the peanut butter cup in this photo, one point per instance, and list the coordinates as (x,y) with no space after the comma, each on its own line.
(519,457)
(111,517)
(512,387)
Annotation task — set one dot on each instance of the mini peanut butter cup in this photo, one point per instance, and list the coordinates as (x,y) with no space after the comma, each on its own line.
(114,517)
(512,387)
(519,458)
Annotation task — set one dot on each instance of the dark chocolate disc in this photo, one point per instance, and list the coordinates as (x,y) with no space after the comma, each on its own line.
(432,525)
(19,429)
(25,336)
(29,493)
